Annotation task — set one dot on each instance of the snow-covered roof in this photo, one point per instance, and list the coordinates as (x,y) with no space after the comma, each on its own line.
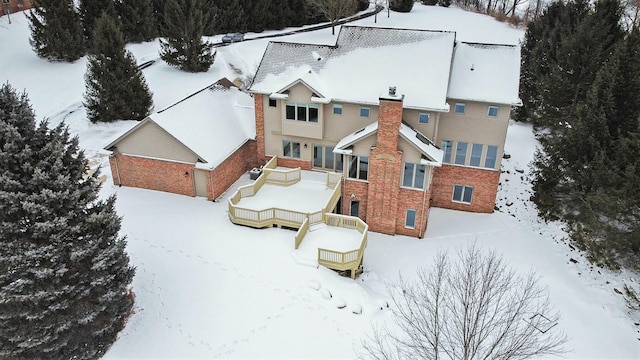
(486,72)
(421,142)
(212,123)
(364,62)
(343,145)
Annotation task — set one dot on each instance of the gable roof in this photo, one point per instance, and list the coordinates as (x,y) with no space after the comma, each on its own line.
(212,122)
(420,142)
(486,72)
(375,57)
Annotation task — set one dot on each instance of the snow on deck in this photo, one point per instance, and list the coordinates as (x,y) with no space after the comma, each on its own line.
(309,195)
(327,237)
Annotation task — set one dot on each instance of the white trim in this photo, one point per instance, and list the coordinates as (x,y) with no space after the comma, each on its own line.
(158,159)
(320,100)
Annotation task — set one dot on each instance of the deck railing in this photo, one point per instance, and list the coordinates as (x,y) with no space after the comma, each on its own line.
(349,260)
(277,216)
(302,232)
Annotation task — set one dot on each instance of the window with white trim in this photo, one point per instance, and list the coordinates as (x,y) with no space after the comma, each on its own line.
(358,167)
(492,157)
(324,158)
(461,153)
(492,111)
(365,112)
(291,149)
(301,112)
(476,154)
(423,118)
(462,193)
(410,219)
(459,108)
(447,147)
(414,175)
(337,109)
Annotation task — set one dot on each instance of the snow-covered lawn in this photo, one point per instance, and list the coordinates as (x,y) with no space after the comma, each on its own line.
(206,288)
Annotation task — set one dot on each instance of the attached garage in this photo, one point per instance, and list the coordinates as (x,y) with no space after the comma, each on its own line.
(198,146)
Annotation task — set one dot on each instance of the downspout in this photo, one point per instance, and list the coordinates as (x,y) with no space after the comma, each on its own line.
(115,156)
(437,127)
(424,203)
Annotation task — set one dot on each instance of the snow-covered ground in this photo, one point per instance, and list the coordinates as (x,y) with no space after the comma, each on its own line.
(206,288)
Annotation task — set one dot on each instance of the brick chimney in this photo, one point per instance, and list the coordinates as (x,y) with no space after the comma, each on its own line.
(385,166)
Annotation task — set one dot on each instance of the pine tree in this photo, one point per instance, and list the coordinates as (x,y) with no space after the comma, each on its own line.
(230,17)
(183,46)
(116,88)
(64,272)
(56,32)
(256,11)
(90,11)
(401,5)
(137,19)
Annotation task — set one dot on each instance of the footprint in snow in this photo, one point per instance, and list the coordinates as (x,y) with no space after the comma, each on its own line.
(315,285)
(326,294)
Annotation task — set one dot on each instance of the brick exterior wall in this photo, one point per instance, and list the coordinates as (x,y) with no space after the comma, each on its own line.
(484,182)
(168,176)
(14,6)
(359,190)
(259,109)
(416,200)
(385,168)
(241,161)
(152,174)
(293,163)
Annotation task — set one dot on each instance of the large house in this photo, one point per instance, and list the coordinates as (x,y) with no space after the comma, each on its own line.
(412,119)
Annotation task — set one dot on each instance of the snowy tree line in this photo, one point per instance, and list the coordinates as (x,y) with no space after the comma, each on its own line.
(580,85)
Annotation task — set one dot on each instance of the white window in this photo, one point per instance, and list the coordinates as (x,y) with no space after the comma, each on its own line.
(459,108)
(414,175)
(447,146)
(410,219)
(302,112)
(337,109)
(476,154)
(461,153)
(492,156)
(291,149)
(364,112)
(358,167)
(423,118)
(492,111)
(323,157)
(462,193)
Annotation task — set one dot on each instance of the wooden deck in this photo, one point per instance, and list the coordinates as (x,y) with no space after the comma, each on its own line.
(261,217)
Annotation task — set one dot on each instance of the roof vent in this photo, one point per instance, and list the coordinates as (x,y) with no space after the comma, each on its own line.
(392,90)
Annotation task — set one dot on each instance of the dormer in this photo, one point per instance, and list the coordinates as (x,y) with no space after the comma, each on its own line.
(302,113)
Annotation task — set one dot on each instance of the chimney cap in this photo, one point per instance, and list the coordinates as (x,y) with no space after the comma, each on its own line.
(392,94)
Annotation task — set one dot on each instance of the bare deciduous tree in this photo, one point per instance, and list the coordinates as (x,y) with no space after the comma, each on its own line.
(473,307)
(332,10)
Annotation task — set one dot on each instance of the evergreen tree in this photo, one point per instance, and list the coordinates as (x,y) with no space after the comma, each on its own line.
(64,272)
(183,46)
(116,88)
(257,16)
(158,14)
(401,5)
(90,11)
(137,19)
(562,52)
(588,171)
(56,32)
(230,16)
